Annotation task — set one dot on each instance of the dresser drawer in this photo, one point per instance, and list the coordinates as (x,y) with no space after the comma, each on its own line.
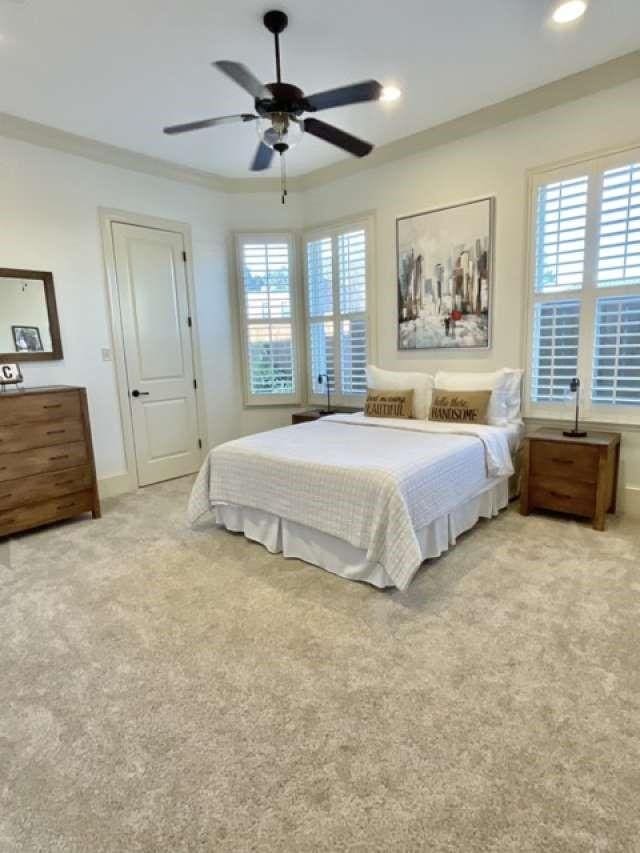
(35,408)
(557,461)
(562,495)
(21,518)
(40,487)
(42,460)
(27,436)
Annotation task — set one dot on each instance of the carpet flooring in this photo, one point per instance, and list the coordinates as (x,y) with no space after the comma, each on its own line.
(170,690)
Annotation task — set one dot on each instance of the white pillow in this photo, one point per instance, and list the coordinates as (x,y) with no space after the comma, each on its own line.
(505,404)
(395,380)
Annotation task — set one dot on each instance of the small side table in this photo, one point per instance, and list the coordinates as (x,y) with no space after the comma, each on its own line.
(577,476)
(307,415)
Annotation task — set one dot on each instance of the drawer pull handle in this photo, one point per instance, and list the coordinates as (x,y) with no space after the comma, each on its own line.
(559,495)
(53,458)
(56,431)
(8,495)
(66,506)
(53,406)
(563,461)
(8,520)
(64,483)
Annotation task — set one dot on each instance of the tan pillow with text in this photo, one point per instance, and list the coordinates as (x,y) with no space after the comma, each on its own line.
(389,404)
(461,407)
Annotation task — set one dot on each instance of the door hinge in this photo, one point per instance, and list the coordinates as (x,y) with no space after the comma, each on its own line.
(184,257)
(189,323)
(200,443)
(195,383)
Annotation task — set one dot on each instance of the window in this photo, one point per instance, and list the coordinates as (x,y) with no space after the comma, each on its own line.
(268,317)
(336,277)
(585,308)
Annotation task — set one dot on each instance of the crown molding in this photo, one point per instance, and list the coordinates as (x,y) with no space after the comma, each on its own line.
(607,75)
(70,143)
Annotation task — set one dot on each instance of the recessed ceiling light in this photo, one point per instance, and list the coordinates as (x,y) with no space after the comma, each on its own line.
(569,10)
(390,93)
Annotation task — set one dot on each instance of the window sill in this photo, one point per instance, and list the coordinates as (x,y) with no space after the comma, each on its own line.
(605,424)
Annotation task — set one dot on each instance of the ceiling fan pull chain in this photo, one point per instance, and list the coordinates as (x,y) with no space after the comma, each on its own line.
(283,178)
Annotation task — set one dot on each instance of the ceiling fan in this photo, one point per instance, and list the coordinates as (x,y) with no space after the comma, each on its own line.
(279,107)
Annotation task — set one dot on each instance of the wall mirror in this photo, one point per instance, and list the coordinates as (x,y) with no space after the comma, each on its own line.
(29,329)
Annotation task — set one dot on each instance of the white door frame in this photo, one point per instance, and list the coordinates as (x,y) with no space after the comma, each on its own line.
(107,217)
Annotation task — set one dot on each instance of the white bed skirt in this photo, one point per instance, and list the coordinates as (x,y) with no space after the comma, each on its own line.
(279,535)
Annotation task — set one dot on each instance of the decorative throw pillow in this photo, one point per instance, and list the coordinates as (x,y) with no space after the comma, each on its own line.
(504,406)
(397,380)
(462,407)
(389,404)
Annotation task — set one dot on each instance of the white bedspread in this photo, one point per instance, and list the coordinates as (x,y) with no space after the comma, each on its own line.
(372,482)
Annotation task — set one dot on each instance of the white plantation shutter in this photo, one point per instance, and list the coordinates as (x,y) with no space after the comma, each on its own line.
(560,231)
(616,358)
(267,307)
(336,306)
(320,277)
(619,244)
(555,356)
(560,235)
(321,348)
(353,356)
(585,305)
(352,284)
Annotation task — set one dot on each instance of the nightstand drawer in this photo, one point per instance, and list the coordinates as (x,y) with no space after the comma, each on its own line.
(557,461)
(563,495)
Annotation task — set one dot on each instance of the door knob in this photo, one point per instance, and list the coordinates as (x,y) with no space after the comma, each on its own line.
(136,393)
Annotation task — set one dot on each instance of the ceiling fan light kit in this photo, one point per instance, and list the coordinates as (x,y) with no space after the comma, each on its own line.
(279,108)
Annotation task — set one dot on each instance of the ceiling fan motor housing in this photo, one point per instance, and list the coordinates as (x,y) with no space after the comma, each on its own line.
(286,99)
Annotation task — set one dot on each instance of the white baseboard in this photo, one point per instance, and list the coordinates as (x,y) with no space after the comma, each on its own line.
(111,487)
(631,501)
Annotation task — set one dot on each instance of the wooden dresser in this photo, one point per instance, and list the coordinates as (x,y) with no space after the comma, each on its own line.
(47,469)
(577,476)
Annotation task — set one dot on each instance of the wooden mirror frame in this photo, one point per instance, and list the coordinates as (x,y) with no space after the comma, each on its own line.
(52,311)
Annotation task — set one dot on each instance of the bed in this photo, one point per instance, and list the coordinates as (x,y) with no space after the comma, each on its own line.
(366,498)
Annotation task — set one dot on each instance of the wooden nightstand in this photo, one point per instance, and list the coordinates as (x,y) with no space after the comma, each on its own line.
(577,476)
(315,414)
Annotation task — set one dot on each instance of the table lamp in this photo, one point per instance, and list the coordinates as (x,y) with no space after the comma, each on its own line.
(576,432)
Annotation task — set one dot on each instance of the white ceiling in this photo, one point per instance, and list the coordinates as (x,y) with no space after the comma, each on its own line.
(119,70)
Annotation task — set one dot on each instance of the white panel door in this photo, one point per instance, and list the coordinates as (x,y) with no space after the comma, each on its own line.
(154,308)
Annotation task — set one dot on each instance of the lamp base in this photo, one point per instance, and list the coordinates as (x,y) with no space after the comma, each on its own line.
(575,433)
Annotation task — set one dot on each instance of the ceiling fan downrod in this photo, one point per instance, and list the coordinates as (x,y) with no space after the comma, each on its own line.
(276,22)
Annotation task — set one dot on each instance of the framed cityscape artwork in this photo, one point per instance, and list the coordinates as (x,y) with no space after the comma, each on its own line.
(445,271)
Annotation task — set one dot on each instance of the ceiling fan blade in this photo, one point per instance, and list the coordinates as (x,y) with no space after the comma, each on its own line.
(241,75)
(209,122)
(262,159)
(368,90)
(337,137)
